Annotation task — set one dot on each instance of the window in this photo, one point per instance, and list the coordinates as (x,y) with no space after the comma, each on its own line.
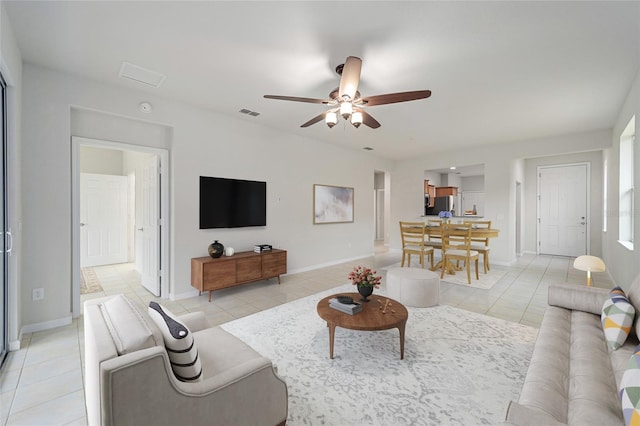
(626,210)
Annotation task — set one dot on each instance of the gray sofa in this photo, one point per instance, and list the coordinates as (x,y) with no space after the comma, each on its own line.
(573,378)
(129,379)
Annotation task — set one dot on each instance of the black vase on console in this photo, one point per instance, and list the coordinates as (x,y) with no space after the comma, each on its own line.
(216,249)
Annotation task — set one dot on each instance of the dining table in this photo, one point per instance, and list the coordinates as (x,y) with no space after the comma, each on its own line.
(477,232)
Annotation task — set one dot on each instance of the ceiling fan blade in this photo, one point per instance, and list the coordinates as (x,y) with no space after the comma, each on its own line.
(392,98)
(350,77)
(315,119)
(368,120)
(297,99)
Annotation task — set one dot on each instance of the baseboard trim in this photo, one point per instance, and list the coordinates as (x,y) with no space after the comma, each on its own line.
(14,345)
(46,325)
(331,263)
(183,295)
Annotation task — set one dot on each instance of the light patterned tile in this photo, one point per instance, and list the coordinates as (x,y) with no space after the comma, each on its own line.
(61,410)
(45,390)
(49,368)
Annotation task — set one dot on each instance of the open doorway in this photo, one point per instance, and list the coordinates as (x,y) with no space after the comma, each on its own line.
(119,204)
(380,211)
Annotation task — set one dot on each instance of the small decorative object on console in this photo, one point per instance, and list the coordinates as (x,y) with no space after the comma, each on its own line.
(260,248)
(216,249)
(366,280)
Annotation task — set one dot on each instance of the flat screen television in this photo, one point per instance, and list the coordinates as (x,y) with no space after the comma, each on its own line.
(232,203)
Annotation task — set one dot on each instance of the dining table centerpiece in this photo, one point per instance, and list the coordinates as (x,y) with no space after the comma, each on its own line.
(445,215)
(365,279)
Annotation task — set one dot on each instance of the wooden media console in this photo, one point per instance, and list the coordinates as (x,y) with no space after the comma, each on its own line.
(209,274)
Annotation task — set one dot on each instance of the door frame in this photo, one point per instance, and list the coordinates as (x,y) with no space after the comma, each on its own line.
(588,200)
(163,155)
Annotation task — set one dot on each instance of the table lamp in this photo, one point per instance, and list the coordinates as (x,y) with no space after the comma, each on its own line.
(589,264)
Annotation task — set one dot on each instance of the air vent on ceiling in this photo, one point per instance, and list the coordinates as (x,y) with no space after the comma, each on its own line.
(249,112)
(141,75)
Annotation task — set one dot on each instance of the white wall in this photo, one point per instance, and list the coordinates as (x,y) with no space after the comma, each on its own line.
(623,264)
(472,183)
(502,168)
(201,142)
(101,161)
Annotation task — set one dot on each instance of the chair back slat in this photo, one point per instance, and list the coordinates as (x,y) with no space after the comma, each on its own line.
(412,233)
(484,224)
(456,236)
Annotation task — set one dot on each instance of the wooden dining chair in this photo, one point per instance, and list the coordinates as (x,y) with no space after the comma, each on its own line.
(456,245)
(433,237)
(413,242)
(481,245)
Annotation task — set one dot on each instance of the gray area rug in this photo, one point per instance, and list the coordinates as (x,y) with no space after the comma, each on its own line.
(460,368)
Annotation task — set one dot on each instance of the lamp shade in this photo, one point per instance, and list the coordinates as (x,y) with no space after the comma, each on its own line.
(331,118)
(589,263)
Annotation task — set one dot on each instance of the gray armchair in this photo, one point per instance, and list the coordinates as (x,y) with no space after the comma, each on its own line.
(129,379)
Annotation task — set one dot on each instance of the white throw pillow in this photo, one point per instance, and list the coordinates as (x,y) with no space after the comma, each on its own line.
(179,344)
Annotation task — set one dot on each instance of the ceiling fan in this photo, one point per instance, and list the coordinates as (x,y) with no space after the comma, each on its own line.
(347,101)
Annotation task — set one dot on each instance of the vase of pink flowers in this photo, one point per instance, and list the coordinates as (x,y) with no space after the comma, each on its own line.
(365,279)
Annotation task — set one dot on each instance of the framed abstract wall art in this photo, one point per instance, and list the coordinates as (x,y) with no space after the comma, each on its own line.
(332,204)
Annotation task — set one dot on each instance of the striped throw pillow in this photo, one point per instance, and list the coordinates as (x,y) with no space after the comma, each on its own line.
(179,343)
(617,318)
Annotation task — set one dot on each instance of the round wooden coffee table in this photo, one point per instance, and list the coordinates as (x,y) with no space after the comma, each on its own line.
(371,318)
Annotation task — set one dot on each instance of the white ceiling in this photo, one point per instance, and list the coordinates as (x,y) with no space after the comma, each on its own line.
(499,71)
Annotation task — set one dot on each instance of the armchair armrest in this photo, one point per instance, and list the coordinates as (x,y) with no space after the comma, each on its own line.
(578,298)
(195,321)
(140,388)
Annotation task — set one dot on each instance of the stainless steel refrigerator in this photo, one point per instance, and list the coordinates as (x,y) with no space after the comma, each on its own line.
(444,203)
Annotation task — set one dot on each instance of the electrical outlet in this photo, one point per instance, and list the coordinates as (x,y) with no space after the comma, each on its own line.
(37,294)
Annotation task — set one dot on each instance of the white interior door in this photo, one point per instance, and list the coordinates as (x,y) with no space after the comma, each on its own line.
(103,219)
(562,206)
(149,231)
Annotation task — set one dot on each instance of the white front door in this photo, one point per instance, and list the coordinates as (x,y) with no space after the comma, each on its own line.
(149,231)
(562,204)
(103,219)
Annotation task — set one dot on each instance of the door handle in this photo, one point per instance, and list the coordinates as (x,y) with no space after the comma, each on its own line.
(83,224)
(583,223)
(140,229)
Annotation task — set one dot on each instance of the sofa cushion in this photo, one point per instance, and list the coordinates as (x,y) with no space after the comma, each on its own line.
(178,341)
(630,390)
(617,318)
(127,326)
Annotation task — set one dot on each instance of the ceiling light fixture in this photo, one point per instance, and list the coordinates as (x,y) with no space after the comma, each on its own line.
(331,118)
(346,109)
(356,119)
(452,168)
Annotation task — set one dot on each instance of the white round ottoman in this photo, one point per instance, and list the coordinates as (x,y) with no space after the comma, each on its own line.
(414,287)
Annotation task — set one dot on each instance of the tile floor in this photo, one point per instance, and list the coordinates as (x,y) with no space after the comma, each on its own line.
(42,383)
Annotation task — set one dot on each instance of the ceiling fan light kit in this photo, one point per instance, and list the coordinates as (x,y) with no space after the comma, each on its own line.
(347,100)
(331,119)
